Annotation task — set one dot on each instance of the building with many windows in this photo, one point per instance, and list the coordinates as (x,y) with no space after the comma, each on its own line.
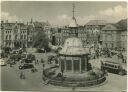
(111,36)
(21,35)
(93,30)
(115,35)
(14,35)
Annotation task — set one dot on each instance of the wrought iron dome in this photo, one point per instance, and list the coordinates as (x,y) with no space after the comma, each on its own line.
(73,46)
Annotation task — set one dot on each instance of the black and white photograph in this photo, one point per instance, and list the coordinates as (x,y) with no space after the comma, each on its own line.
(63,46)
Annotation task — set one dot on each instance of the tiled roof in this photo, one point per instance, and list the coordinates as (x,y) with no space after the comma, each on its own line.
(110,27)
(8,25)
(12,25)
(96,22)
(41,24)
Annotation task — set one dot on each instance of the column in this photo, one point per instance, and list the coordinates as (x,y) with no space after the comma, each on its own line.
(72,65)
(80,64)
(60,63)
(86,61)
(65,64)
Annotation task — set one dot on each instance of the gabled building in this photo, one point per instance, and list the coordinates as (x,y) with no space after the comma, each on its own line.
(122,24)
(111,36)
(114,36)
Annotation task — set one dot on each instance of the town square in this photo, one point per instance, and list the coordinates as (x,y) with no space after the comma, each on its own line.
(75,52)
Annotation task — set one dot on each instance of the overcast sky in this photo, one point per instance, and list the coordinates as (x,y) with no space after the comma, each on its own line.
(60,13)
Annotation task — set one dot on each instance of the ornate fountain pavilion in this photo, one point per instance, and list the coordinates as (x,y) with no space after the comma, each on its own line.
(73,57)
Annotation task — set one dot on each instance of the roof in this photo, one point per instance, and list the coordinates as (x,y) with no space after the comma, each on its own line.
(113,60)
(96,22)
(73,46)
(8,25)
(73,23)
(122,24)
(110,27)
(41,24)
(12,25)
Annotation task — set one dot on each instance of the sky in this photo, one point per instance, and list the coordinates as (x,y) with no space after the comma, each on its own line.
(60,12)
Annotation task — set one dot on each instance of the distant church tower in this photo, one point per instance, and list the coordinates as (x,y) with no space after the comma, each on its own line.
(73,26)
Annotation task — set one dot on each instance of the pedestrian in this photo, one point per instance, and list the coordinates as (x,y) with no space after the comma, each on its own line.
(21,75)
(10,65)
(42,61)
(106,72)
(24,76)
(43,66)
(73,88)
(35,62)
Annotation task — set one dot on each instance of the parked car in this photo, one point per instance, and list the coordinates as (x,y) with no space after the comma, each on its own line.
(30,56)
(26,66)
(2,62)
(28,61)
(40,51)
(11,62)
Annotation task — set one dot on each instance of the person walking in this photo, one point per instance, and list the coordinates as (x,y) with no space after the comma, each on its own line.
(21,75)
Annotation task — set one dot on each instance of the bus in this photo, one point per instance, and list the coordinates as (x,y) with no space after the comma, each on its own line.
(113,67)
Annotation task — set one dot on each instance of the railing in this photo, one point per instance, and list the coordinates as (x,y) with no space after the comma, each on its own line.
(78,84)
(74,83)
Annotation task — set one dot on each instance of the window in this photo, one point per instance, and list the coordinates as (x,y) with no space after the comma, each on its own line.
(69,64)
(59,30)
(15,37)
(24,36)
(9,37)
(76,65)
(21,37)
(6,37)
(30,38)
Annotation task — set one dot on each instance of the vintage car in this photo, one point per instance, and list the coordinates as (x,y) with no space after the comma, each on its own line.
(26,66)
(2,62)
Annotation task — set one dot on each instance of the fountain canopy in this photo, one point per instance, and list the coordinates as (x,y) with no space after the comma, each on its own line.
(73,57)
(73,46)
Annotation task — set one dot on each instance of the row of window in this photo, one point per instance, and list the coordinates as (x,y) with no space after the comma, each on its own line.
(23,31)
(8,31)
(8,37)
(23,37)
(111,65)
(15,31)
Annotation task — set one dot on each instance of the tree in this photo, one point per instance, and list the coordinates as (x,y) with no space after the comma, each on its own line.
(41,40)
